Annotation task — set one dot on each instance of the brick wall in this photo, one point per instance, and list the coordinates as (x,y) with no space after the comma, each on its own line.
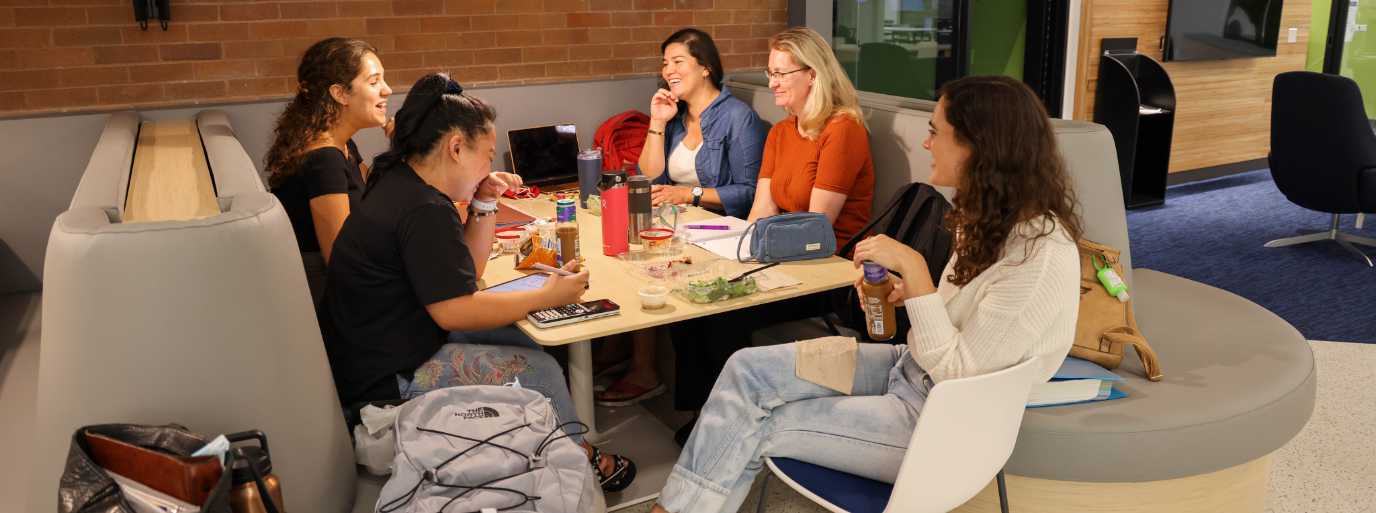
(72,55)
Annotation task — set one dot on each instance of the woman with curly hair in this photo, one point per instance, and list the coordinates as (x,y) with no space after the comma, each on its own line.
(313,166)
(1010,294)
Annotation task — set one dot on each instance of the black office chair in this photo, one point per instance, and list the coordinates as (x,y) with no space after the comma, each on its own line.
(1323,152)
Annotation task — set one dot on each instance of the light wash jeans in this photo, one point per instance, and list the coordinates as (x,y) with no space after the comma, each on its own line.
(495,357)
(759,407)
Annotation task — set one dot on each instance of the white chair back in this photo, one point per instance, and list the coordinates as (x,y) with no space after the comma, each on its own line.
(964,435)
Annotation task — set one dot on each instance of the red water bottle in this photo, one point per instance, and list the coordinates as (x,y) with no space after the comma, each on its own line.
(615,212)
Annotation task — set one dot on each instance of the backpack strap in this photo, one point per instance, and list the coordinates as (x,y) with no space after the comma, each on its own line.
(903,194)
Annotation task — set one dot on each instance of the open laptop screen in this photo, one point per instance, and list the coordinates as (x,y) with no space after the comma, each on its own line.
(546,154)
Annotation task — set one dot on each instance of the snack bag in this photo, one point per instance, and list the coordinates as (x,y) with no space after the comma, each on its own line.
(537,251)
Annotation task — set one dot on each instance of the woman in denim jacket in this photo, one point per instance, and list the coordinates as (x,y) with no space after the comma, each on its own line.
(704,145)
(703,149)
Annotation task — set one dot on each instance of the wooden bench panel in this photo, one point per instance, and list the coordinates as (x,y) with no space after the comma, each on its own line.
(170,180)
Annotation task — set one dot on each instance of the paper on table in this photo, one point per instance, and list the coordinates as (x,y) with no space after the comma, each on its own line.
(726,247)
(735,226)
(827,361)
(773,279)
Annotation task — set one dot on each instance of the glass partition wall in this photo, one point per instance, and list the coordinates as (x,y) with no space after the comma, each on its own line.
(903,48)
(909,48)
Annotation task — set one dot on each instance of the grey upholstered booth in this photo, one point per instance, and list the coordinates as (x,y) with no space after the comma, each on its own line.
(1239,381)
(206,322)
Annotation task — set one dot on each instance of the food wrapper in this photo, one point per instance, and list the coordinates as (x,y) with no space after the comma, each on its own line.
(827,361)
(536,251)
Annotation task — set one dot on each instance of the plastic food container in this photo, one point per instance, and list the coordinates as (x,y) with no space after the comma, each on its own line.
(712,285)
(510,239)
(653,297)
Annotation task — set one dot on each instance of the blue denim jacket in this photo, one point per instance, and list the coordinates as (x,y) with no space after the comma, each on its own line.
(729,158)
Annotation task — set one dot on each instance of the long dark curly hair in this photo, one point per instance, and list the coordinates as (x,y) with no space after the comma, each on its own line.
(1014,172)
(312,111)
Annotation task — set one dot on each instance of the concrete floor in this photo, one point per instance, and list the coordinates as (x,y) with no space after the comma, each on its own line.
(1330,466)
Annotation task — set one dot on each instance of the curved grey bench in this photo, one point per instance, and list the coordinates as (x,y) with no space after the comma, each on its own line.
(205,322)
(1239,384)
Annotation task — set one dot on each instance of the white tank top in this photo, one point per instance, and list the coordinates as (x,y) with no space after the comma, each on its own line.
(683,168)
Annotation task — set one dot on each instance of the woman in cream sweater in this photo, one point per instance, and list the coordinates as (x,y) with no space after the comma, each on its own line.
(1009,294)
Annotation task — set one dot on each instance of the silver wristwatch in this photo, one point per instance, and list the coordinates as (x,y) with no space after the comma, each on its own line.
(697,195)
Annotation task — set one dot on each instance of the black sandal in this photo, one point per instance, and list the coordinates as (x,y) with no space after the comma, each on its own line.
(621,476)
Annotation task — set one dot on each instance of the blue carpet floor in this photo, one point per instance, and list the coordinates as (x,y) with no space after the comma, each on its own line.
(1213,231)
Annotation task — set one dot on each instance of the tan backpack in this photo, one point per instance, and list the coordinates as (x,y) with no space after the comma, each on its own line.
(1106,325)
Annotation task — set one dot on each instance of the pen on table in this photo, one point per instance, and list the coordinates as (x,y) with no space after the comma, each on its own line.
(549,269)
(707,227)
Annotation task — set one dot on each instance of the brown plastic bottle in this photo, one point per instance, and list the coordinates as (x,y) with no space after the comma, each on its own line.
(879,312)
(567,231)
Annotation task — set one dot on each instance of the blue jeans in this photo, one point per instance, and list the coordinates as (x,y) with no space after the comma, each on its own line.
(494,357)
(759,407)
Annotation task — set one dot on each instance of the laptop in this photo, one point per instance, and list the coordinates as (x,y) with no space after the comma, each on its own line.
(545,155)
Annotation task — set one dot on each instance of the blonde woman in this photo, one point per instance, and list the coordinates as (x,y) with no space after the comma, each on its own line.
(815,160)
(818,158)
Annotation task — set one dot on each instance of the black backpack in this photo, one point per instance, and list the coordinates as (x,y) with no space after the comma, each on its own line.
(914,217)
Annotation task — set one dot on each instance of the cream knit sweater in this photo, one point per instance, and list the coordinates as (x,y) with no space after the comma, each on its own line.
(1021,307)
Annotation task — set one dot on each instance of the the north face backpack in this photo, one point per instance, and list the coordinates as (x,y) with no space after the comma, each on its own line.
(485,447)
(621,138)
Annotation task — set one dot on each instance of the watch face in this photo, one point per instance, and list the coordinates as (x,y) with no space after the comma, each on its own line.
(697,191)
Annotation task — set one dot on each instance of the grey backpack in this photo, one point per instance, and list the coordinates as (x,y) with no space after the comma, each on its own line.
(471,449)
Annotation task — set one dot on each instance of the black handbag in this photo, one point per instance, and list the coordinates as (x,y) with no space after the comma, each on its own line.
(86,487)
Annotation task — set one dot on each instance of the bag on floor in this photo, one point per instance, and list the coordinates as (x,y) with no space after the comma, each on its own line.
(486,447)
(154,464)
(1106,326)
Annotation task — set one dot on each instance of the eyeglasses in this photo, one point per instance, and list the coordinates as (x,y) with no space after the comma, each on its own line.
(779,75)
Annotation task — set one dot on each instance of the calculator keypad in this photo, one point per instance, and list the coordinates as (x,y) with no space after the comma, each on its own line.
(562,312)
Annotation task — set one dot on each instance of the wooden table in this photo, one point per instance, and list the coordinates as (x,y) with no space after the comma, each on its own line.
(613,279)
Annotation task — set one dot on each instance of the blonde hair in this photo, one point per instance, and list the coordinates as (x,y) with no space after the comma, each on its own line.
(832,93)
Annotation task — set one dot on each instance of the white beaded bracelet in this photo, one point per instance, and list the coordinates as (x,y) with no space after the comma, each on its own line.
(483,206)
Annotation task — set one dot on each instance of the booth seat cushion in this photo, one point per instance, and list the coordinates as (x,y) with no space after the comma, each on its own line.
(1239,384)
(106,178)
(231,167)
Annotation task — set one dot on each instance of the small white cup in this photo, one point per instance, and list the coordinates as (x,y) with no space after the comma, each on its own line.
(653,297)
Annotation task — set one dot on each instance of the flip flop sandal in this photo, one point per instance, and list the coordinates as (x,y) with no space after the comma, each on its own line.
(621,476)
(625,393)
(614,368)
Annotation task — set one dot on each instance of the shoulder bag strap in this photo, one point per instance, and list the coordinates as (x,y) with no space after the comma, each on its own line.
(897,198)
(1129,337)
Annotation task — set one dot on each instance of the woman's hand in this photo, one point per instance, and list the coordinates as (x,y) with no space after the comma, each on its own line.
(663,106)
(895,295)
(672,194)
(893,255)
(562,290)
(495,184)
(389,127)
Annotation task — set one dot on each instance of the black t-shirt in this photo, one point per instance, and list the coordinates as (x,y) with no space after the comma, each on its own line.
(401,248)
(322,171)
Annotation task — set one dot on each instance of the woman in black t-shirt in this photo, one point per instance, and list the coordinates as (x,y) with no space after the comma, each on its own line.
(402,313)
(313,166)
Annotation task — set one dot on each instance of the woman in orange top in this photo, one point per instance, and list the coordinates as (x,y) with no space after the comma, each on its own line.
(817,159)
